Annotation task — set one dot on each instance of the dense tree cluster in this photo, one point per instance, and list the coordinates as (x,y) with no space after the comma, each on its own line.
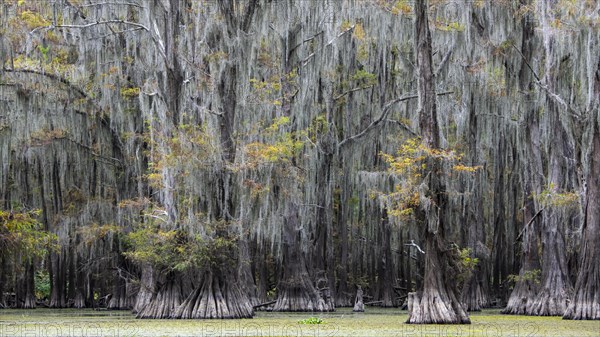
(205,159)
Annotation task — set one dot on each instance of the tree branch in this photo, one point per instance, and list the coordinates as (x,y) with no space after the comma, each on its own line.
(154,35)
(111,3)
(107,22)
(51,76)
(526,62)
(116,33)
(528,224)
(402,125)
(306,59)
(375,123)
(413,244)
(444,62)
(383,117)
(555,97)
(351,90)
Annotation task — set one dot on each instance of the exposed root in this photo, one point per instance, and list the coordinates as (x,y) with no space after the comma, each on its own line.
(215,298)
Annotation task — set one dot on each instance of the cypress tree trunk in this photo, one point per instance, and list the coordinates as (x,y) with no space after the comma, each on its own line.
(146,289)
(119,297)
(556,289)
(500,268)
(261,274)
(296,291)
(475,292)
(219,296)
(25,287)
(437,303)
(3,273)
(586,301)
(385,272)
(526,286)
(79,299)
(165,301)
(359,306)
(323,254)
(58,282)
(246,277)
(343,297)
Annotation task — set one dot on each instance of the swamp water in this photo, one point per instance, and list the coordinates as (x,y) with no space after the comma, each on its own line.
(343,322)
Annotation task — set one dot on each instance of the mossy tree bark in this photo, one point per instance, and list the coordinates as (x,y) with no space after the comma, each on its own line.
(3,278)
(385,264)
(555,290)
(585,303)
(146,288)
(437,303)
(296,290)
(475,292)
(216,297)
(165,300)
(25,287)
(526,285)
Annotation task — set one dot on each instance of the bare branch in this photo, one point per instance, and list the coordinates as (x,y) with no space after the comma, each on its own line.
(153,34)
(526,63)
(412,243)
(309,57)
(555,97)
(265,304)
(402,125)
(116,33)
(112,3)
(312,37)
(375,123)
(312,205)
(351,90)
(444,62)
(109,160)
(529,223)
(51,76)
(107,22)
(197,106)
(383,117)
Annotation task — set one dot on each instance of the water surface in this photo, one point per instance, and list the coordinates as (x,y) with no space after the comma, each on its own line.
(374,322)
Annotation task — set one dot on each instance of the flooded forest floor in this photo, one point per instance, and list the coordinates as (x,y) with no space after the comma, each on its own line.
(343,322)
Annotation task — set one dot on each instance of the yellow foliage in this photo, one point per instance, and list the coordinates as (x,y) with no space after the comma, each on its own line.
(188,150)
(363,52)
(467,169)
(269,90)
(551,197)
(410,163)
(345,26)
(402,7)
(130,92)
(33,20)
(359,32)
(256,188)
(136,203)
(449,26)
(95,232)
(22,234)
(55,67)
(216,56)
(277,123)
(45,136)
(155,180)
(279,152)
